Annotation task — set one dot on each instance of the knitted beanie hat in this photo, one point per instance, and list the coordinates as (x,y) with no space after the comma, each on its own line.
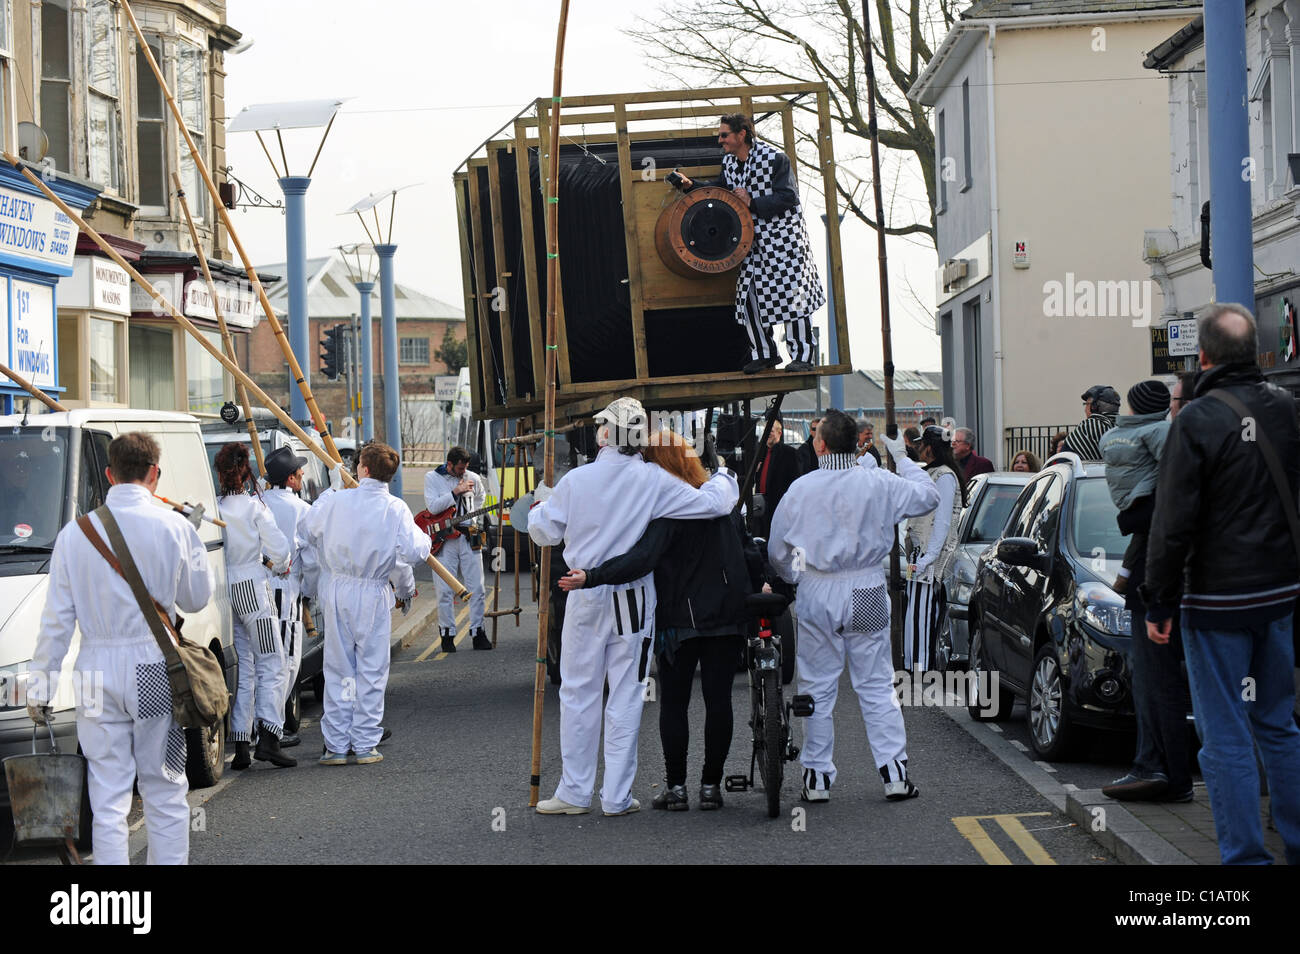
(1148,397)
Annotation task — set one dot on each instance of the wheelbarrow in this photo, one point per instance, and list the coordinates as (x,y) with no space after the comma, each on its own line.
(45,792)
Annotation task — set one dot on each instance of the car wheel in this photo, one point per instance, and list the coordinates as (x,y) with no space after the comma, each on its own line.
(992,703)
(318,687)
(943,643)
(205,757)
(293,710)
(1051,732)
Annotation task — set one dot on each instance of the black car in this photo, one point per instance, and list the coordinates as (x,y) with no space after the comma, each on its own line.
(1045,622)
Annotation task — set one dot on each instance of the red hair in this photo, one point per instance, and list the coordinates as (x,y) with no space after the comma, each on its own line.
(671,452)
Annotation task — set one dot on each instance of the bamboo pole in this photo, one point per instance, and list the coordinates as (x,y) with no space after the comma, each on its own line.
(891,423)
(317,419)
(457,587)
(548,466)
(32,389)
(240,391)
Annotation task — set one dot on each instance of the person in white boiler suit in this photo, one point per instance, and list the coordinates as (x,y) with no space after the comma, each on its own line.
(364,538)
(128,732)
(252,537)
(284,474)
(599,511)
(830,533)
(454,484)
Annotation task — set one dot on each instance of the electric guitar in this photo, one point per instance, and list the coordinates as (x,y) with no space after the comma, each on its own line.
(442,527)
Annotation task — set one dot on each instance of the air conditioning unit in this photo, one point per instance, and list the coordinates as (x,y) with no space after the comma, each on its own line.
(955,271)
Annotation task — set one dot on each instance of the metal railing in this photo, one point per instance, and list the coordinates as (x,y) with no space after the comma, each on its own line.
(1036,439)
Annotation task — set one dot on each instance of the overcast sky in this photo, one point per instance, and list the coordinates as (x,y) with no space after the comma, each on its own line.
(426,83)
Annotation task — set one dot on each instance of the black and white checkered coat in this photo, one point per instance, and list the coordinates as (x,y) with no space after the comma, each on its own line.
(779,276)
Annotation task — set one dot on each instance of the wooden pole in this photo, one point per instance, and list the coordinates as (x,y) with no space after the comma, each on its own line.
(457,587)
(886,336)
(32,389)
(227,342)
(548,466)
(317,419)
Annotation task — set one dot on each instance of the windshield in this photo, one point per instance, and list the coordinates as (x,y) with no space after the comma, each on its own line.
(214,449)
(1094,529)
(33,480)
(994,509)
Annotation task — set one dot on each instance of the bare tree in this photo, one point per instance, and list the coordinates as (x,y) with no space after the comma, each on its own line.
(755,42)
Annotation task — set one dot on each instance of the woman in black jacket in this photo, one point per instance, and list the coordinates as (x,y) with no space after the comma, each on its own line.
(703,572)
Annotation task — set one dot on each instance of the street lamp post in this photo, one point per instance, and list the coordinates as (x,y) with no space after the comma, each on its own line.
(361,270)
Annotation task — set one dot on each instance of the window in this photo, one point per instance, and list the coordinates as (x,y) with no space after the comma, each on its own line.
(943,164)
(965,134)
(204,376)
(105,339)
(150,129)
(153,369)
(6,72)
(1048,517)
(104,127)
(413,351)
(973,364)
(56,79)
(1020,524)
(994,508)
(189,94)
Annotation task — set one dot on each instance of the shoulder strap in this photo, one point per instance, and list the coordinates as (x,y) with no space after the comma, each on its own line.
(154,613)
(1271,461)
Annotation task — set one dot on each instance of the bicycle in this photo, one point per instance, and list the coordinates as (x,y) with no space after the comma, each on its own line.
(769,713)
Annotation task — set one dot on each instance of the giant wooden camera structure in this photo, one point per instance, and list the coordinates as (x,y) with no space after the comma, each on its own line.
(647,275)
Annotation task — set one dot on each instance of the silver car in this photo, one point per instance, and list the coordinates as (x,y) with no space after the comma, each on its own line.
(990,500)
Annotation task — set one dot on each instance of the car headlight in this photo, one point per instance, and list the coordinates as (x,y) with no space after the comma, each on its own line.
(13,686)
(1102,610)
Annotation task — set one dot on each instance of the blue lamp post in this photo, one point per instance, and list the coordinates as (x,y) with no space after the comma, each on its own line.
(361,270)
(1231,168)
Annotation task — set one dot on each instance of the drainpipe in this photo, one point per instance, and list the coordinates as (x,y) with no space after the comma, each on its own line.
(995,257)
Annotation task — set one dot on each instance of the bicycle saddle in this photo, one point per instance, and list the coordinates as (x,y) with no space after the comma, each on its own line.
(768,605)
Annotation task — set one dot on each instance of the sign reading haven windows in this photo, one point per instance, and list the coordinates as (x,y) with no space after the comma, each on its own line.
(33,232)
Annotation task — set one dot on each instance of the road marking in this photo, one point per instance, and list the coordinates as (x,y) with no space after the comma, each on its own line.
(973,831)
(1048,767)
(460,618)
(995,728)
(1070,787)
(1020,745)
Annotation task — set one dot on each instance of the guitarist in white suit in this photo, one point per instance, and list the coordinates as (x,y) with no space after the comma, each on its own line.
(454,485)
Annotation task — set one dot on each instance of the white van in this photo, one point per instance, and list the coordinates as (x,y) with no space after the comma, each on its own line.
(52,471)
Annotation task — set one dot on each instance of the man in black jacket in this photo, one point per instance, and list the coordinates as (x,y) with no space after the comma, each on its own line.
(807,453)
(1221,527)
(778,468)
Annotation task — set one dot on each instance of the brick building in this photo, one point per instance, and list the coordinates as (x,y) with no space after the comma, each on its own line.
(422,321)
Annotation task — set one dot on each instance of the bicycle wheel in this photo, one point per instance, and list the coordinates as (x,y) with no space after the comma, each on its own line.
(773,758)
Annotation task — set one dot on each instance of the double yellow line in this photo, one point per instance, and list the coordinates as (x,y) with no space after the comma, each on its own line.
(974,832)
(460,621)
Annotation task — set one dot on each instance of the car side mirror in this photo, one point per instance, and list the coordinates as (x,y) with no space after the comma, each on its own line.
(1021,551)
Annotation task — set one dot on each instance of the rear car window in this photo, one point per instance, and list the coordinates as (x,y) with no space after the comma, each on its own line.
(992,511)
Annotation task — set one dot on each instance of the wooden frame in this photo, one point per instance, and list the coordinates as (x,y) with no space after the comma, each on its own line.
(614,117)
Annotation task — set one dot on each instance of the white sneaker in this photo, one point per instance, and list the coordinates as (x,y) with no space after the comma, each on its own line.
(811,791)
(897,791)
(635,806)
(558,806)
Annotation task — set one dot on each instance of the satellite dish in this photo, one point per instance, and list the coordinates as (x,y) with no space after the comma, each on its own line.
(33,144)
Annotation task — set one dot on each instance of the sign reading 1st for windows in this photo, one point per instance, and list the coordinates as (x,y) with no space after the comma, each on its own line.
(31,332)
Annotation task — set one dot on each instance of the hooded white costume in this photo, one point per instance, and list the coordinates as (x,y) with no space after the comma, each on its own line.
(128,732)
(599,511)
(830,534)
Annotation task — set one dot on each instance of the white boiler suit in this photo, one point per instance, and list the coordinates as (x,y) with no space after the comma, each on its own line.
(289,511)
(463,561)
(129,732)
(251,533)
(363,538)
(599,511)
(830,533)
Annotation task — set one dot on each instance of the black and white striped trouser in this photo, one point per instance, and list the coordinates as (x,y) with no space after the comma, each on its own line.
(800,338)
(921,622)
(288,629)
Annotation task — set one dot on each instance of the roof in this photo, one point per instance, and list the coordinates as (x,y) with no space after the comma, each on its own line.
(331,294)
(991,9)
(1173,48)
(76,417)
(903,380)
(864,389)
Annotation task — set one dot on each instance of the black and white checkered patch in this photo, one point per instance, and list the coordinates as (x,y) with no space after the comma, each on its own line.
(174,760)
(153,693)
(266,636)
(244,597)
(870,610)
(779,275)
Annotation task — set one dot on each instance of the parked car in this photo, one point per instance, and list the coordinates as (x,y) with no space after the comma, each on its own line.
(272,435)
(1043,616)
(990,498)
(62,478)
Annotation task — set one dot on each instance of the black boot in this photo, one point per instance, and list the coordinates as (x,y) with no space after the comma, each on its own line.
(289,740)
(241,757)
(481,640)
(268,750)
(448,641)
